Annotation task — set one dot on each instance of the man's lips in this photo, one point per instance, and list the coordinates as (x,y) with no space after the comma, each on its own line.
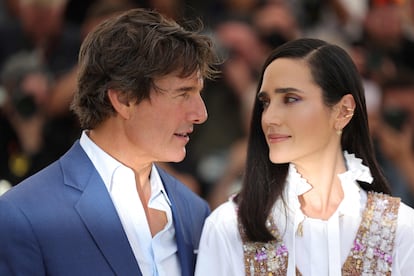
(184,134)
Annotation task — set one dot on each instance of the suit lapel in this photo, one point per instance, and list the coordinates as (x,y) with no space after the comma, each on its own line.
(185,249)
(184,245)
(98,213)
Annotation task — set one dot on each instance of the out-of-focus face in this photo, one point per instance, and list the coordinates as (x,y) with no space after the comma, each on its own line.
(296,123)
(400,99)
(42,19)
(384,25)
(37,85)
(160,127)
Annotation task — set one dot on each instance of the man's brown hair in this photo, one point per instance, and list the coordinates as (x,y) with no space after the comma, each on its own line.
(128,52)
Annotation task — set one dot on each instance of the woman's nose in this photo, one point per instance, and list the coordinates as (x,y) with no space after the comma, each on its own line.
(272,115)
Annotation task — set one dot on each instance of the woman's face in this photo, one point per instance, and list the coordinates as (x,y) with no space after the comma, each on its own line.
(297,125)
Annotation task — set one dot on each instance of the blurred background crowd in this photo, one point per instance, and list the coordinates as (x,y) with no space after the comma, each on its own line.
(41,40)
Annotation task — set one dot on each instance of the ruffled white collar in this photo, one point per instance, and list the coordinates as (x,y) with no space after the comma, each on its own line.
(356,171)
(297,185)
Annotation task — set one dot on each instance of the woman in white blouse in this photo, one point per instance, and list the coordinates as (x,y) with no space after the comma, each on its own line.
(313,200)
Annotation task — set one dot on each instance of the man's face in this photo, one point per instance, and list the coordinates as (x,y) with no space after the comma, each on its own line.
(160,126)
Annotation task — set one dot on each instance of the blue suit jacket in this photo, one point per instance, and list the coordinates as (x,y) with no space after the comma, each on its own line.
(61,221)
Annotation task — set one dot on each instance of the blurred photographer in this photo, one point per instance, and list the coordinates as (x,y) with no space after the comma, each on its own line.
(395,134)
(25,86)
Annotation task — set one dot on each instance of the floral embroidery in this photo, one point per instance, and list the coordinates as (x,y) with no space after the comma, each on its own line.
(371,253)
(263,258)
(373,245)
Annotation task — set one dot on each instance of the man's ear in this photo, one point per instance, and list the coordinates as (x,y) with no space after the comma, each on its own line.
(346,108)
(119,101)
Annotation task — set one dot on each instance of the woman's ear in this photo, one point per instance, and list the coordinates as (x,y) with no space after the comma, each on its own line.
(119,101)
(346,108)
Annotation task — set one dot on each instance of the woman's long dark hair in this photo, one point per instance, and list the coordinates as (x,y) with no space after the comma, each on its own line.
(334,71)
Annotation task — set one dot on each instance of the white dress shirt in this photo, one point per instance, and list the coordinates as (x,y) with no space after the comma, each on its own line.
(324,245)
(155,255)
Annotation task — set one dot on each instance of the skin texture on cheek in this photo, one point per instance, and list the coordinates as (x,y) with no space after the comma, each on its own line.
(308,135)
(151,131)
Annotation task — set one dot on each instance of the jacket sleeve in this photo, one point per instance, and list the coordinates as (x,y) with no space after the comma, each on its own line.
(20,253)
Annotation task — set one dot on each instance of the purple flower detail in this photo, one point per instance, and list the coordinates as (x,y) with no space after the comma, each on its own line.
(358,246)
(281,250)
(379,253)
(261,256)
(383,256)
(388,258)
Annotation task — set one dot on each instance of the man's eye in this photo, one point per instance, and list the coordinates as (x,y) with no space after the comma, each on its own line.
(184,95)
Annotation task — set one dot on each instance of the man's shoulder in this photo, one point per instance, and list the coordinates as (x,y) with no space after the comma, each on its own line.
(33,185)
(41,185)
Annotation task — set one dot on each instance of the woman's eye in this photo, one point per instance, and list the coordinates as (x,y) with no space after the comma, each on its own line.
(291,99)
(264,102)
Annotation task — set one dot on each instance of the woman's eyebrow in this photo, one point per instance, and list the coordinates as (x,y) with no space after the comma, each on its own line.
(287,90)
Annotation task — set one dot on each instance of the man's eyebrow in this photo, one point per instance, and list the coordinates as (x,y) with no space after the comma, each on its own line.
(187,89)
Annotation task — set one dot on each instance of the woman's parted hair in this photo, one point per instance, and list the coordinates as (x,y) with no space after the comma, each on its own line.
(334,71)
(128,52)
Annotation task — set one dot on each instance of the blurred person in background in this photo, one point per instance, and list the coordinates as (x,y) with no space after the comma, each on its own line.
(25,91)
(272,24)
(275,23)
(394,136)
(174,9)
(41,27)
(8,11)
(386,43)
(64,88)
(339,21)
(227,100)
(217,11)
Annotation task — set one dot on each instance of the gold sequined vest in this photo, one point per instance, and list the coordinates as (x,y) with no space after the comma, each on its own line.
(371,253)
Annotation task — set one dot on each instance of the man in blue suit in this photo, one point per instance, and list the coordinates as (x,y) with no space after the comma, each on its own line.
(105,207)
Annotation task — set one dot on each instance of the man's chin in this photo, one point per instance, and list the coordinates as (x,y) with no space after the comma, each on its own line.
(178,157)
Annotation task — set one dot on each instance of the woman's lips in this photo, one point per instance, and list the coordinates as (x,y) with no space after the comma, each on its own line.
(275,138)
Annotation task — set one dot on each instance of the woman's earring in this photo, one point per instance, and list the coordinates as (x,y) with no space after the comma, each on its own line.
(351,110)
(339,132)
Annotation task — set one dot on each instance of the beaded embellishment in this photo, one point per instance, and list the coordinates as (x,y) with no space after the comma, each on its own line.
(265,258)
(370,255)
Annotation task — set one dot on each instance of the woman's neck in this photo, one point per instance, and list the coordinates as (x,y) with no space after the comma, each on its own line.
(326,193)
